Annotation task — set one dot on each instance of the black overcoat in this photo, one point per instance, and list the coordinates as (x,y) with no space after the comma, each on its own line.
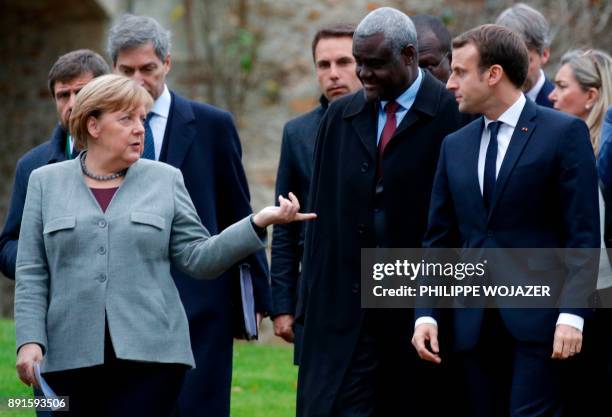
(342,195)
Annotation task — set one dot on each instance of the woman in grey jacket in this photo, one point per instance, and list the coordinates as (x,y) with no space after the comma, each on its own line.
(94,295)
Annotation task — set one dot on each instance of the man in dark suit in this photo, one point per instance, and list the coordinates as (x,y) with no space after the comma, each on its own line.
(521,176)
(533,27)
(434,45)
(332,52)
(66,78)
(375,157)
(202,142)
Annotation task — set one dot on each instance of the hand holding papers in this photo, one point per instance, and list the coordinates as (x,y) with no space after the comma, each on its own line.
(44,387)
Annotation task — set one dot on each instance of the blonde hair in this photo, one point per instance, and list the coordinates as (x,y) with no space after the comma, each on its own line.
(593,69)
(107,93)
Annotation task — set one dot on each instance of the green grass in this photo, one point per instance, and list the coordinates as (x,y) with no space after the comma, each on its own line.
(264,379)
(10,386)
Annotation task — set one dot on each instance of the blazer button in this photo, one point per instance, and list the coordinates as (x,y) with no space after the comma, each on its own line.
(489,233)
(364,167)
(102,224)
(361,229)
(355,288)
(101,250)
(101,278)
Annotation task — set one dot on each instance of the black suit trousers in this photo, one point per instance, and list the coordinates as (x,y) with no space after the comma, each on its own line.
(386,378)
(509,378)
(119,388)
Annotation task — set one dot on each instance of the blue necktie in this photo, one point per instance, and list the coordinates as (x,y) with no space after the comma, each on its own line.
(149,145)
(488,188)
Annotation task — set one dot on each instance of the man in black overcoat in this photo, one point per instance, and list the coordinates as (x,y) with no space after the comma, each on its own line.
(375,159)
(332,52)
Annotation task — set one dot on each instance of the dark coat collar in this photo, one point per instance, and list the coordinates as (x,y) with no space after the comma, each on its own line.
(57,145)
(426,101)
(180,131)
(363,114)
(324,102)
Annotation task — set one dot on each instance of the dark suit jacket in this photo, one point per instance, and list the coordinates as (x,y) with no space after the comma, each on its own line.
(604,168)
(342,195)
(51,151)
(545,197)
(294,174)
(542,97)
(202,142)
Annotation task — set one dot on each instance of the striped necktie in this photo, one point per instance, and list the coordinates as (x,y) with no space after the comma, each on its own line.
(149,145)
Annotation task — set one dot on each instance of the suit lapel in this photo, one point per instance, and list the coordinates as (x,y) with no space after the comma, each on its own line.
(472,139)
(425,104)
(522,132)
(409,119)
(180,131)
(364,119)
(365,114)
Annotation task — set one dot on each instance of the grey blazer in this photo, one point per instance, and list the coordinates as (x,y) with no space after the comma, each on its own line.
(77,265)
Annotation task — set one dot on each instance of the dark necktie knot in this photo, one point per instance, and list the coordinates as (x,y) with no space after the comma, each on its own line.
(494,128)
(391,107)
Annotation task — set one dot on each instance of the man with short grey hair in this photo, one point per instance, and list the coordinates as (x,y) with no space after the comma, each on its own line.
(374,162)
(533,27)
(202,142)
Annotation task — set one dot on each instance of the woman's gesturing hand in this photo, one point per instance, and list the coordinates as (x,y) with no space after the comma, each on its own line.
(28,355)
(287,212)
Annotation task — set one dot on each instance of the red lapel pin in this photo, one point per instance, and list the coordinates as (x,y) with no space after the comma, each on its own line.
(524,129)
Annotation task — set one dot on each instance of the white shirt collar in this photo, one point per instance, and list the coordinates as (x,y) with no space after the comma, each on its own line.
(161,106)
(512,114)
(535,90)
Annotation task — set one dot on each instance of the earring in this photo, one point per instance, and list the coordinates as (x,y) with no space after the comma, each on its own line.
(588,107)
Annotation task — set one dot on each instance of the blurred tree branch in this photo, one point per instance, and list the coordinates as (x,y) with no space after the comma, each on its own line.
(223,46)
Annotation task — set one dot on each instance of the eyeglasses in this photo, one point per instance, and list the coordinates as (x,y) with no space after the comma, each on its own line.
(432,68)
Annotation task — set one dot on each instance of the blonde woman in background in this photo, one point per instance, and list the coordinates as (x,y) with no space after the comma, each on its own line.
(583,87)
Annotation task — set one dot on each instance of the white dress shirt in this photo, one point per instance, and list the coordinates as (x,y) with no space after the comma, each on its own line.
(71,141)
(535,90)
(509,120)
(159,120)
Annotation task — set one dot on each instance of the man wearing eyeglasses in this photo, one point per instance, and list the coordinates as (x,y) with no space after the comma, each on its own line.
(434,42)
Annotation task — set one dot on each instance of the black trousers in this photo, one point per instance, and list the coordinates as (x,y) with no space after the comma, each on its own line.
(386,378)
(506,377)
(119,387)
